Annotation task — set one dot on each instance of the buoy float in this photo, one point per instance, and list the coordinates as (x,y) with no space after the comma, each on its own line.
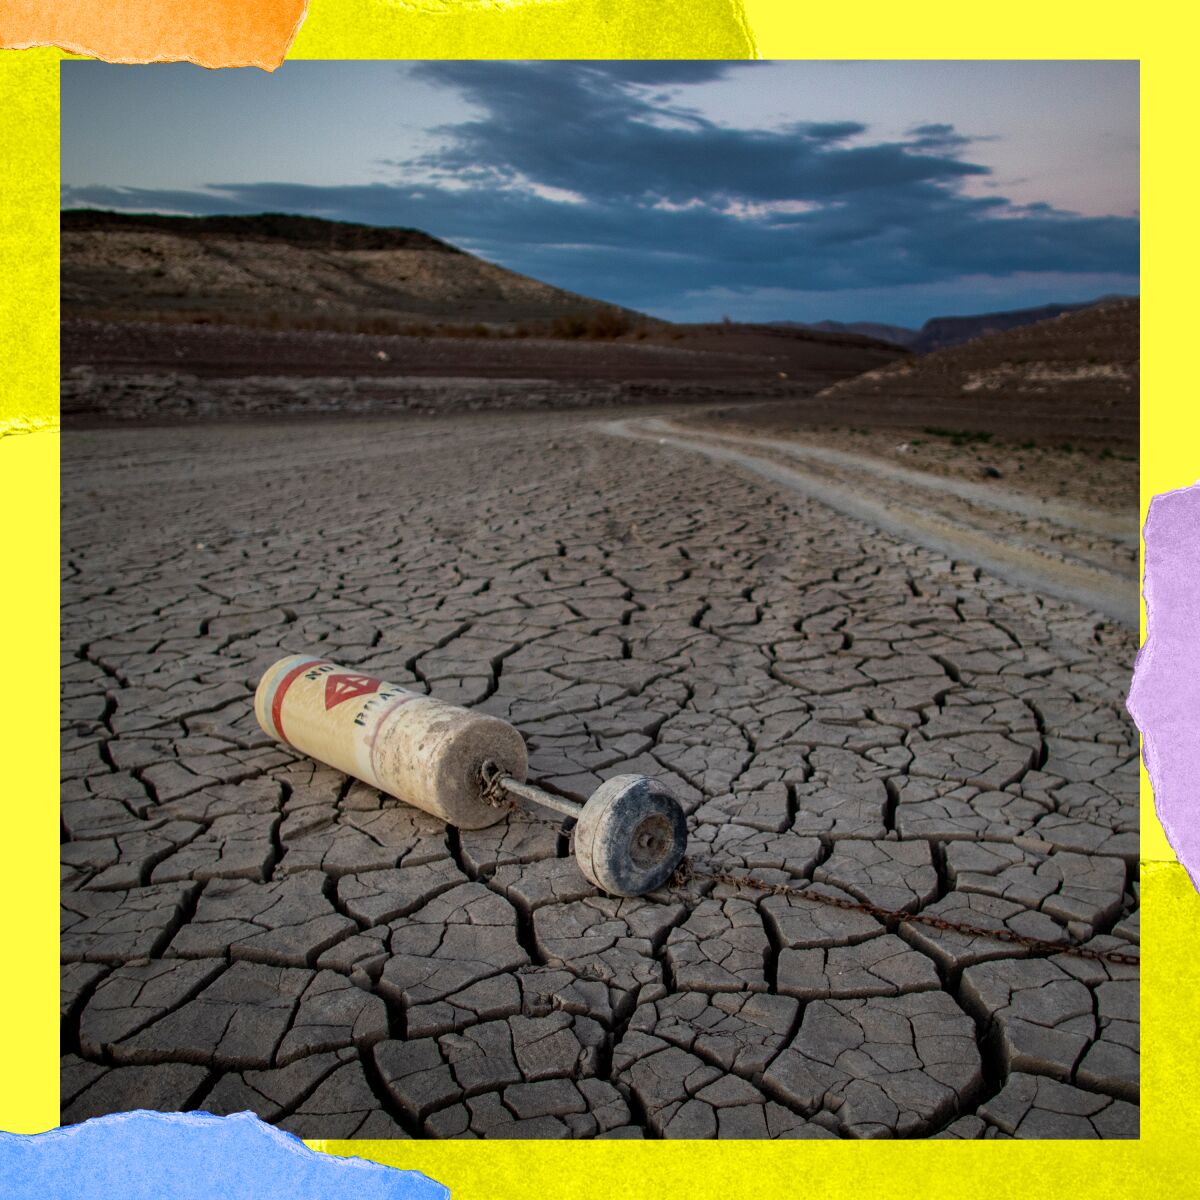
(451,762)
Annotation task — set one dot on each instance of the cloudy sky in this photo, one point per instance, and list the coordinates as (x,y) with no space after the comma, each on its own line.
(764,191)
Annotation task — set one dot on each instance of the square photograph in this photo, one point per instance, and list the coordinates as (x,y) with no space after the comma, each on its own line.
(598,598)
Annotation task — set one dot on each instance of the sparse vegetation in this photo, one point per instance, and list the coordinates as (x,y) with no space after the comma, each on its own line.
(608,323)
(959,437)
(600,325)
(604,324)
(568,327)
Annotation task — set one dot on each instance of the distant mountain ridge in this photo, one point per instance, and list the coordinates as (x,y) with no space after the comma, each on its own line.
(939,333)
(897,335)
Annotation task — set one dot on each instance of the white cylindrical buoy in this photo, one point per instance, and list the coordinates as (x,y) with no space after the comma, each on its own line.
(464,767)
(419,749)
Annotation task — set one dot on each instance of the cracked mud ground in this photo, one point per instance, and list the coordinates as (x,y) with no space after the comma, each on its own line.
(834,707)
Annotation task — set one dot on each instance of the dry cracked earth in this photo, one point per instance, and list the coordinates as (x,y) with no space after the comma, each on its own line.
(836,708)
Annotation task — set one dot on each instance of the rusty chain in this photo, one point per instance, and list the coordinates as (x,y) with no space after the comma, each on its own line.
(687,871)
(492,790)
(691,869)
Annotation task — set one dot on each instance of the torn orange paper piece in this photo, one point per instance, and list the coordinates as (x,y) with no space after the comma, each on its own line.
(217,33)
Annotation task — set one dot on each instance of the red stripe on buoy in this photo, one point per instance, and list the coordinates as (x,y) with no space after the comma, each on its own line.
(285,683)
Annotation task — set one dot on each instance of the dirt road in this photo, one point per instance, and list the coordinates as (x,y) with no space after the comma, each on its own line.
(837,707)
(1052,548)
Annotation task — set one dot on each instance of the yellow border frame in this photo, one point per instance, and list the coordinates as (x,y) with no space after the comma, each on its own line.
(1165,1160)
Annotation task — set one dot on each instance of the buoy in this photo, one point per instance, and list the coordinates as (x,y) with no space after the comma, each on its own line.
(464,767)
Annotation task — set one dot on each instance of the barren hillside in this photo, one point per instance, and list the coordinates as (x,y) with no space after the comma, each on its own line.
(286,272)
(1075,375)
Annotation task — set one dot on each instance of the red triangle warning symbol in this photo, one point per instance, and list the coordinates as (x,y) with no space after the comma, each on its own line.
(347,687)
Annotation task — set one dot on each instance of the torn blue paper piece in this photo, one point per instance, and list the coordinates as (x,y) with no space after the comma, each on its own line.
(191,1156)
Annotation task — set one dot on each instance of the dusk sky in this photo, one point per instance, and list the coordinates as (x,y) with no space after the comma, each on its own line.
(689,190)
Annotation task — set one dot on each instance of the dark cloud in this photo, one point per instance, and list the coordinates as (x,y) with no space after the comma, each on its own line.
(942,138)
(832,131)
(575,126)
(667,72)
(579,175)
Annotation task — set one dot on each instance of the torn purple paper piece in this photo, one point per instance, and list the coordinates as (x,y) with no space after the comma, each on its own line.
(1164,699)
(191,1156)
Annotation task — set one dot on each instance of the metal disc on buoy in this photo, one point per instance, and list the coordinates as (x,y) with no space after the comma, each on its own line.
(631,836)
